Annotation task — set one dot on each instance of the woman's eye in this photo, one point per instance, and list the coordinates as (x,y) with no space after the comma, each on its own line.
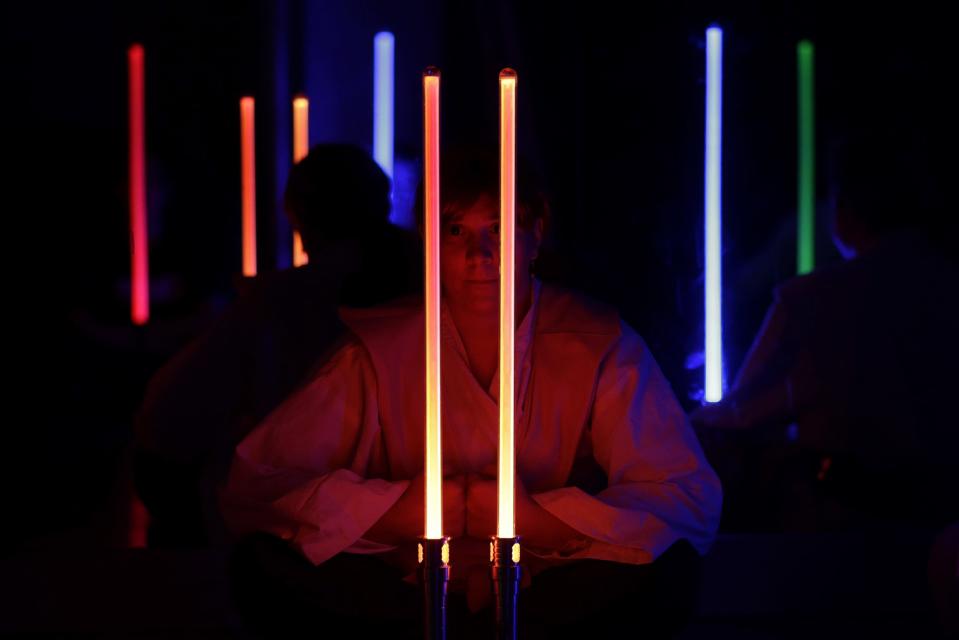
(494,228)
(455,230)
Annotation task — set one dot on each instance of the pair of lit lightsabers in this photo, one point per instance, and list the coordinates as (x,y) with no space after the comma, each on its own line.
(434,547)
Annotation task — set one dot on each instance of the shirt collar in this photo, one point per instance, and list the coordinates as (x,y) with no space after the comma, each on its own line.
(522,338)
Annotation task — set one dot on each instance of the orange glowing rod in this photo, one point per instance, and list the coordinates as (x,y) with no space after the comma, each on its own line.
(301,146)
(505,516)
(248,179)
(431,191)
(139,258)
(433,547)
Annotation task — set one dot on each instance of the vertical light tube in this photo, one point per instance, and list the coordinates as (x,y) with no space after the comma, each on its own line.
(505,520)
(138,518)
(806,232)
(431,225)
(383,46)
(139,237)
(248,184)
(713,207)
(301,147)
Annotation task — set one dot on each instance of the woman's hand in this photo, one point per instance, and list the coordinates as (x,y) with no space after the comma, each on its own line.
(480,507)
(538,527)
(404,521)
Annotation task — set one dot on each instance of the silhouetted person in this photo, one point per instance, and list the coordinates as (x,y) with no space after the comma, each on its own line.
(201,403)
(855,364)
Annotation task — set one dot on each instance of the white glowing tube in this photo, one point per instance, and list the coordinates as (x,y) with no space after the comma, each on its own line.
(713,197)
(383,44)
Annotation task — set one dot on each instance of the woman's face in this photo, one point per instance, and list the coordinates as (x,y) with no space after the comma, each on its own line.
(469,257)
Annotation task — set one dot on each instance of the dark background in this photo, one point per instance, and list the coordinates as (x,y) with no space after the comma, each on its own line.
(610,110)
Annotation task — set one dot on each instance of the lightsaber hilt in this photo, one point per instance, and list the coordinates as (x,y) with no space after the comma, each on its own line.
(505,574)
(434,567)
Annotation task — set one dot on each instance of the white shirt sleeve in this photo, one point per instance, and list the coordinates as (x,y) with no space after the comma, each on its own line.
(660,486)
(307,473)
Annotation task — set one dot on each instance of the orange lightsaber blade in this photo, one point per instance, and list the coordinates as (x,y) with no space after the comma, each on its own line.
(431,218)
(301,146)
(505,520)
(248,180)
(139,258)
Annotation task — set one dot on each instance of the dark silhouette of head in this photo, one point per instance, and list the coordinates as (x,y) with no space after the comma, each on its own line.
(884,159)
(336,193)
